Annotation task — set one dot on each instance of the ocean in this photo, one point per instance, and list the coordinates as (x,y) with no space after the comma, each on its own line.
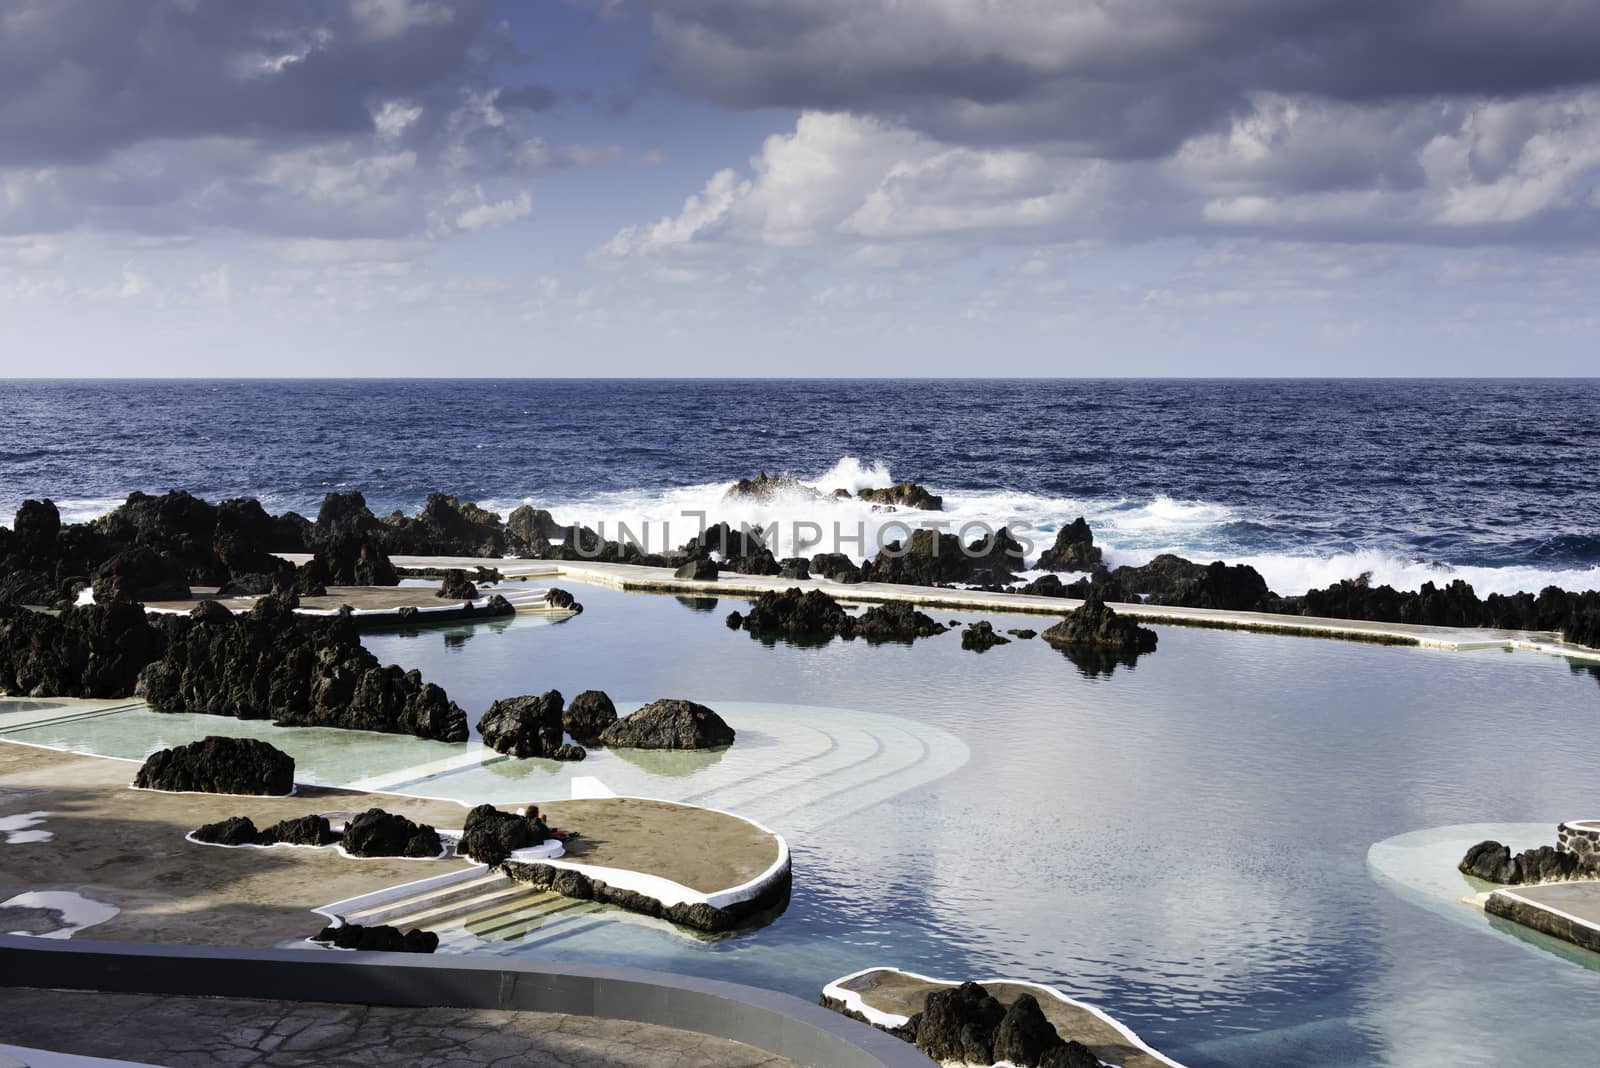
(1310,481)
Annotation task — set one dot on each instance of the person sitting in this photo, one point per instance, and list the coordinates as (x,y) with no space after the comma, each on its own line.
(543,828)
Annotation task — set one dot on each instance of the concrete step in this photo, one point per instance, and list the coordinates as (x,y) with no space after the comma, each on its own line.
(428,900)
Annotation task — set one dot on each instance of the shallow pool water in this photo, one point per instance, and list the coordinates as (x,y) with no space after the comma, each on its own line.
(1184,842)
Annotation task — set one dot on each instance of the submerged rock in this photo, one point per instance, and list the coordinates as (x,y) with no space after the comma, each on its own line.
(219,765)
(896,621)
(378,939)
(376,833)
(588,715)
(981,637)
(811,616)
(670,724)
(556,597)
(764,487)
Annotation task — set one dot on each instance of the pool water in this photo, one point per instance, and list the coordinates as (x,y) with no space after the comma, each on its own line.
(1184,842)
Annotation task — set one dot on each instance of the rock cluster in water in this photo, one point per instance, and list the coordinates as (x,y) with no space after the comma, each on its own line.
(218,765)
(670,723)
(1576,855)
(528,726)
(1093,624)
(297,670)
(981,636)
(811,616)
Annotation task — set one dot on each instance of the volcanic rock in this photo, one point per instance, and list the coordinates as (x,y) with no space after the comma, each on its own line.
(556,597)
(765,486)
(233,831)
(669,724)
(700,569)
(312,830)
(794,567)
(896,621)
(835,566)
(140,574)
(588,715)
(489,836)
(526,726)
(376,833)
(457,587)
(1024,1036)
(219,765)
(1074,549)
(1095,624)
(378,939)
(94,651)
(981,637)
(904,495)
(959,1025)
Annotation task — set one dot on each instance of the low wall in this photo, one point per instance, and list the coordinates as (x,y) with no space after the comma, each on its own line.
(777,1023)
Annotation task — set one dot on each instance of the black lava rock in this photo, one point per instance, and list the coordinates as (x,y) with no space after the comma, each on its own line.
(1074,549)
(1024,1036)
(700,569)
(457,586)
(526,726)
(670,724)
(981,637)
(960,1024)
(378,939)
(233,831)
(310,830)
(489,836)
(588,715)
(376,833)
(1094,624)
(219,766)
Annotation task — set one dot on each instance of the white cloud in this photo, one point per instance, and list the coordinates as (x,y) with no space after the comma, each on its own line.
(486,214)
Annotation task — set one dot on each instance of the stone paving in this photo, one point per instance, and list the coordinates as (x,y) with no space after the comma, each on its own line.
(179,1032)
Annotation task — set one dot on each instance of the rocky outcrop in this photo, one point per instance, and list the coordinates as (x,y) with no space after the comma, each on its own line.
(444,527)
(669,724)
(527,726)
(530,531)
(139,574)
(1494,863)
(794,567)
(812,617)
(699,569)
(588,715)
(1074,549)
(349,546)
(1095,625)
(217,765)
(1173,580)
(743,550)
(378,939)
(981,637)
(489,836)
(94,651)
(456,586)
(1024,1036)
(764,487)
(903,495)
(959,1025)
(558,598)
(376,833)
(1022,632)
(835,566)
(934,558)
(896,621)
(312,830)
(297,670)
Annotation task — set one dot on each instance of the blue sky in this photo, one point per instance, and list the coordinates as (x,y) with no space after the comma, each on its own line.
(798,187)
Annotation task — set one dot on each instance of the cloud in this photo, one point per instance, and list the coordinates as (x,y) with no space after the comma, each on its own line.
(356,120)
(1111,78)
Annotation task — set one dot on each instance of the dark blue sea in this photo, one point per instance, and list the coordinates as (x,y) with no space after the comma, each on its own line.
(1497,481)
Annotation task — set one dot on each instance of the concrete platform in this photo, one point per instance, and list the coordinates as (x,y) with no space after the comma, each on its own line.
(194,1032)
(889,997)
(381,605)
(632,577)
(90,835)
(1569,911)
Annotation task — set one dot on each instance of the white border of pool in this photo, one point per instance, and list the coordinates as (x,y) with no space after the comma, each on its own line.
(852,1000)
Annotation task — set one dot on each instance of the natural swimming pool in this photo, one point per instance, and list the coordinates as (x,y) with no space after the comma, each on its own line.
(1184,843)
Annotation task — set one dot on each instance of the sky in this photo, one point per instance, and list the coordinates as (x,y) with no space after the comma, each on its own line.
(799,187)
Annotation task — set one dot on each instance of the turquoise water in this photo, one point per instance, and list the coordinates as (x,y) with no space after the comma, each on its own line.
(1184,843)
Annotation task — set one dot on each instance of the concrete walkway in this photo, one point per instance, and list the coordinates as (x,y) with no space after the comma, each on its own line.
(632,577)
(189,1032)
